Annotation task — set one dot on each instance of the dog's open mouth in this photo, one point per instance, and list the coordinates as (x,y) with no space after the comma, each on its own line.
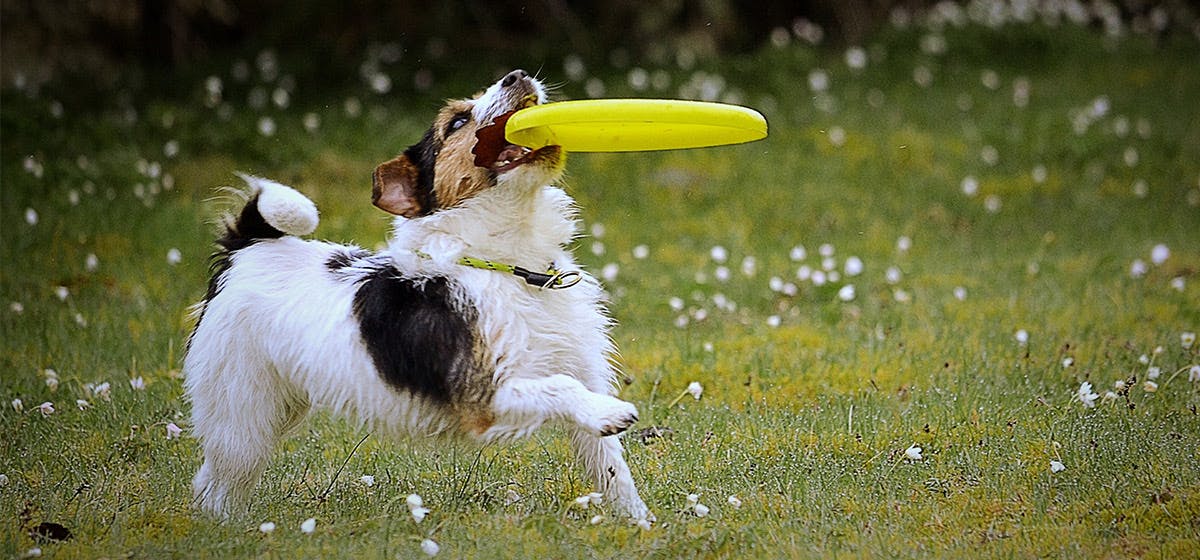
(493,151)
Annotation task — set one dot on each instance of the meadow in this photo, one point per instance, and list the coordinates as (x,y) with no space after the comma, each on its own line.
(948,308)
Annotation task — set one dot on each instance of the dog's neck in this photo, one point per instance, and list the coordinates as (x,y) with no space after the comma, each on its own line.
(524,227)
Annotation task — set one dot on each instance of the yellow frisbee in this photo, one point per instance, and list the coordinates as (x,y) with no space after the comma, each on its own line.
(634,125)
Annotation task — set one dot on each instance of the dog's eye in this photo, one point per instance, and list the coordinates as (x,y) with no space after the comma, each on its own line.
(457,122)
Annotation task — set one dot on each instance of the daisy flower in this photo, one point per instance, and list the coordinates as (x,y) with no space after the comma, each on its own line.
(1086,396)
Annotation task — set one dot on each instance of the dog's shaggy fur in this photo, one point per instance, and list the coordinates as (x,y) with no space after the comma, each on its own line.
(409,340)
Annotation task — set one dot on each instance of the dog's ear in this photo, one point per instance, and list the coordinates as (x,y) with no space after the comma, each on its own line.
(394,188)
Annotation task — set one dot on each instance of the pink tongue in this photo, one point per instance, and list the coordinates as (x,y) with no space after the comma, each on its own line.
(490,142)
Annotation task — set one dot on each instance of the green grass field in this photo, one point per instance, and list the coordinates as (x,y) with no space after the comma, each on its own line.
(1017,211)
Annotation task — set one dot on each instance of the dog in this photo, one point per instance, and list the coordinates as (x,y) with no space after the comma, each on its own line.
(451,329)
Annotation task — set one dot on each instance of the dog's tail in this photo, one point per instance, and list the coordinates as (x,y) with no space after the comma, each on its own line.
(272,211)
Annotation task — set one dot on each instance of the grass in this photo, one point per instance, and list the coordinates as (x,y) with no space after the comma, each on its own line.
(809,401)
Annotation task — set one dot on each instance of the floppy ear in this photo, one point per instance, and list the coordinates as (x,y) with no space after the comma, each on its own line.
(394,188)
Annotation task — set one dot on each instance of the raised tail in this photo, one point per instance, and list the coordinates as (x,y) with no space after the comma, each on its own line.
(272,211)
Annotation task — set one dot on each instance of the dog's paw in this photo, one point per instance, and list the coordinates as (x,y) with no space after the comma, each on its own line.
(614,418)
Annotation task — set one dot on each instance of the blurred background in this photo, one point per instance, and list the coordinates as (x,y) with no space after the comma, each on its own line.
(101,41)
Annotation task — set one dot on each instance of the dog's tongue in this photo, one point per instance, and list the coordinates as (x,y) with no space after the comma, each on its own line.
(490,141)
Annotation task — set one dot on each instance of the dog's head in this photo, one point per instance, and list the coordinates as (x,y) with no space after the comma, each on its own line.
(464,153)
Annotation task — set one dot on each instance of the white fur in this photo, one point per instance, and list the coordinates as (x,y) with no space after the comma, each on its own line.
(283,207)
(281,337)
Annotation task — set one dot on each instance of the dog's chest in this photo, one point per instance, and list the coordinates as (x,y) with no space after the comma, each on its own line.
(539,331)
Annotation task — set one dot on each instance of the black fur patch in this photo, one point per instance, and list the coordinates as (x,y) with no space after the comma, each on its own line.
(345,258)
(424,155)
(420,342)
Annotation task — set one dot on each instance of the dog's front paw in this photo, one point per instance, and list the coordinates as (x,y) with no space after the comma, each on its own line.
(613,418)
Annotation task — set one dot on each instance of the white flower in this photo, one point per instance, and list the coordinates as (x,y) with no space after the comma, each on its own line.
(52,383)
(414,501)
(1153,372)
(419,513)
(82,404)
(16,307)
(597,519)
(137,383)
(1150,386)
(429,547)
(102,390)
(1109,396)
(735,501)
(718,254)
(701,510)
(31,216)
(308,526)
(853,266)
(3,480)
(892,275)
(749,266)
(91,262)
(61,292)
(583,502)
(1138,268)
(1178,283)
(1159,254)
(18,405)
(798,253)
(1022,337)
(640,252)
(773,321)
(596,498)
(960,293)
(174,256)
(1086,396)
(846,293)
(1186,339)
(695,389)
(1068,362)
(266,527)
(1057,466)
(173,431)
(693,499)
(34,552)
(367,480)
(1194,373)
(1144,360)
(913,453)
(610,272)
(644,524)
(1119,385)
(46,408)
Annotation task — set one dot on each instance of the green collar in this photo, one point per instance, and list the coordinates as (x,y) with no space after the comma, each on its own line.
(552,278)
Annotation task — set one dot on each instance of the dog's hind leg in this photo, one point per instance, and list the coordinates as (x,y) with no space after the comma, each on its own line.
(602,458)
(238,422)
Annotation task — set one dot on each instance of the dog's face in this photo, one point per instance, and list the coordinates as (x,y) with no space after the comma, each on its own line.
(464,153)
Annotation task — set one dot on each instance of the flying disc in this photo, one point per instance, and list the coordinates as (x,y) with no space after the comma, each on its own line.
(634,125)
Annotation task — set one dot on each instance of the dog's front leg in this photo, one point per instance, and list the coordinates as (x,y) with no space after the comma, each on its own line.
(522,405)
(603,459)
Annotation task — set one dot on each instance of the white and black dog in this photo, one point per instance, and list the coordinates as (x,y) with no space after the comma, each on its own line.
(452,329)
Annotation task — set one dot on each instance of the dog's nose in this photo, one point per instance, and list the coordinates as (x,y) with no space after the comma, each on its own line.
(512,78)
